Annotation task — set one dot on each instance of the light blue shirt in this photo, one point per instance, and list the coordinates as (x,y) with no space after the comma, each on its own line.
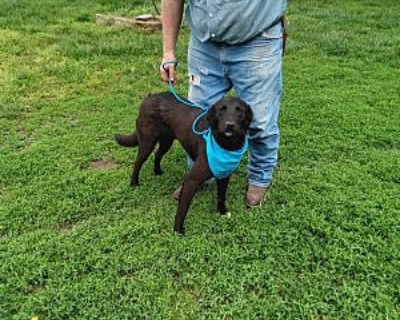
(232,21)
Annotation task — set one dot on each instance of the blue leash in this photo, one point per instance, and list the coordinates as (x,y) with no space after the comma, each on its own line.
(187,103)
(192,105)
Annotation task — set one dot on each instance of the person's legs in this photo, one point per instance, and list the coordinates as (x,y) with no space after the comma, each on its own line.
(207,77)
(255,69)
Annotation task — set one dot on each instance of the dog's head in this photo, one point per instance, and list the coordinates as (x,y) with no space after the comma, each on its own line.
(230,117)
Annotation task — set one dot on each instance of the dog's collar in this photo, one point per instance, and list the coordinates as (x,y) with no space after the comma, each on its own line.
(222,162)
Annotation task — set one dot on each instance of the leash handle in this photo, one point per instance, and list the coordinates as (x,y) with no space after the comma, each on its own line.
(165,65)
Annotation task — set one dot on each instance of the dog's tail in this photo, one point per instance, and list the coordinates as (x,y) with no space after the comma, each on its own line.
(130,140)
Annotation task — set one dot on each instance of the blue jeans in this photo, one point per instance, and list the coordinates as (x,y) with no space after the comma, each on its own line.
(254,70)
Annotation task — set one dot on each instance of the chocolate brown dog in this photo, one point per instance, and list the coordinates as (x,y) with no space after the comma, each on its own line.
(162,119)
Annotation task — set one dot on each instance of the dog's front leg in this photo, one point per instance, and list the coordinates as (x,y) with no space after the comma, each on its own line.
(222,185)
(193,180)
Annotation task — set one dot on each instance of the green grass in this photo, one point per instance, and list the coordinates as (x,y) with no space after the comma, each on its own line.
(78,243)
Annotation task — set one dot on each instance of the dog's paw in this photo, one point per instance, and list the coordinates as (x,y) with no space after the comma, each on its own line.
(222,208)
(179,231)
(227,215)
(134,185)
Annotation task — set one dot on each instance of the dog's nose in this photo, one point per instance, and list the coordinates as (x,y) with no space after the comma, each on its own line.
(229,124)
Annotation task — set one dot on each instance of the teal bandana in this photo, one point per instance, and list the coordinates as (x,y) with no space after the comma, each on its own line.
(222,162)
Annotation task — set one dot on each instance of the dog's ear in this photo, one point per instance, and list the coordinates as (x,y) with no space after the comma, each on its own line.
(212,118)
(248,115)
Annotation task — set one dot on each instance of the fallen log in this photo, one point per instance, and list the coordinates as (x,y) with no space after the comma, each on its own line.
(146,21)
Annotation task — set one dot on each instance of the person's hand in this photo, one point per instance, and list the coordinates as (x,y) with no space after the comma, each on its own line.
(168,67)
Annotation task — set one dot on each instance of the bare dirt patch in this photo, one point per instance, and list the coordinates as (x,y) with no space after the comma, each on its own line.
(66,226)
(100,164)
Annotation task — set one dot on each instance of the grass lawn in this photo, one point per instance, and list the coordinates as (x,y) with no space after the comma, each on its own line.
(77,243)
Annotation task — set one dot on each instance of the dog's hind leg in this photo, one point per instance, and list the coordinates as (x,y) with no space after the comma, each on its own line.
(165,143)
(146,146)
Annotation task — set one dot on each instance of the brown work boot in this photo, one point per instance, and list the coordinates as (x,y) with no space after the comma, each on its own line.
(255,196)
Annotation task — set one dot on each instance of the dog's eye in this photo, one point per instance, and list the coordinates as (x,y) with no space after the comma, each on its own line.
(238,109)
(223,108)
